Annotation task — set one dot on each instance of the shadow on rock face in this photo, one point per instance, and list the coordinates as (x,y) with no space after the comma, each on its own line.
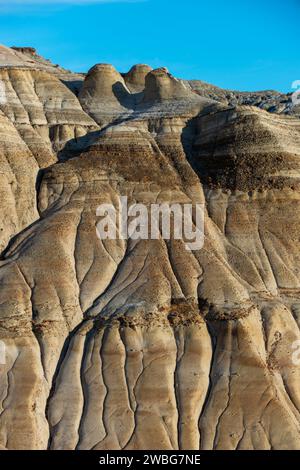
(240,149)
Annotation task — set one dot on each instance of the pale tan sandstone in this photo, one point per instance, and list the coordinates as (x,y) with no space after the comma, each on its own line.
(136,77)
(18,174)
(141,344)
(104,94)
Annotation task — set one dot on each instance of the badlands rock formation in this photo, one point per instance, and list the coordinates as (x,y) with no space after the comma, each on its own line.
(142,344)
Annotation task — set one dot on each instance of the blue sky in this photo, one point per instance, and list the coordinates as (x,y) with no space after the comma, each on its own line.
(237,44)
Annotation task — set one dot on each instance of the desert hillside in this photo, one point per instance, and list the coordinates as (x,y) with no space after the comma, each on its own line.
(143,344)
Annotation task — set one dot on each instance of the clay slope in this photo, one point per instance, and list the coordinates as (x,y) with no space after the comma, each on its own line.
(142,344)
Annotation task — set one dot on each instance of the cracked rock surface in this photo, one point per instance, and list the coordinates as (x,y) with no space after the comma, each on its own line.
(142,344)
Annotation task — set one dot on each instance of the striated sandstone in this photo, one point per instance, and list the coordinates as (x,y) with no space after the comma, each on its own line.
(141,344)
